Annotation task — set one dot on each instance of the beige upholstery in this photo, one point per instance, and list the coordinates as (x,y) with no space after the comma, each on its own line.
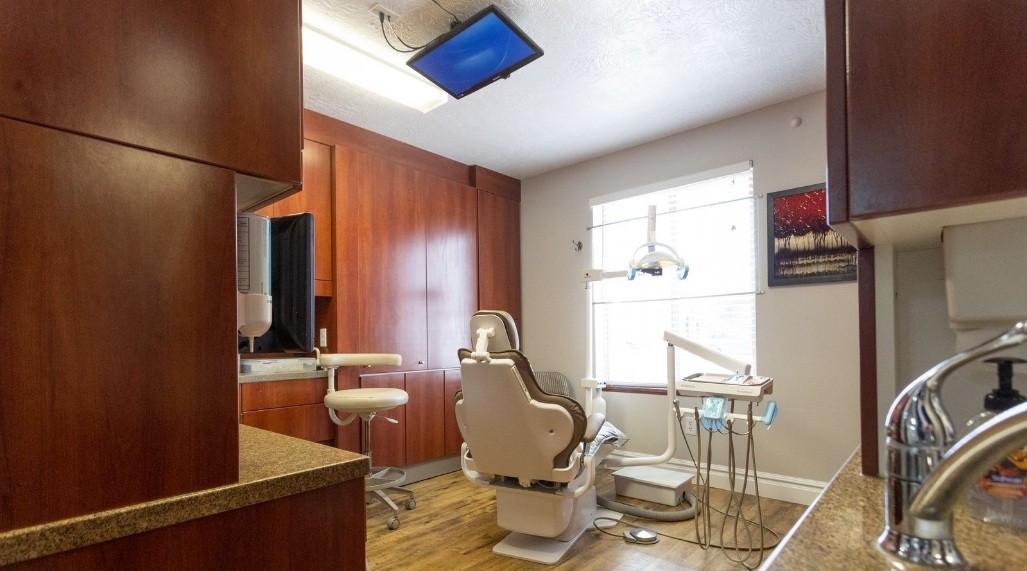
(511,426)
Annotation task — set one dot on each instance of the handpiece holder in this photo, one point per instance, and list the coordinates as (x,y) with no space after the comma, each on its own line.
(919,434)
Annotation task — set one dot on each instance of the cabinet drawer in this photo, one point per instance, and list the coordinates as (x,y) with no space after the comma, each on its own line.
(275,394)
(309,422)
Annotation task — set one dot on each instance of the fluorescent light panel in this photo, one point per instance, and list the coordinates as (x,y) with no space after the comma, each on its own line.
(353,66)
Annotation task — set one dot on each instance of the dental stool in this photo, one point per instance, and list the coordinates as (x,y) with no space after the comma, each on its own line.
(529,445)
(368,404)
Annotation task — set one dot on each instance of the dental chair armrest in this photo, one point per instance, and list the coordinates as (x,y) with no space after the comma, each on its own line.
(470,473)
(595,422)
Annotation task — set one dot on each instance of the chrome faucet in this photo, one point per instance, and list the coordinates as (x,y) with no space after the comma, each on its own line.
(927,475)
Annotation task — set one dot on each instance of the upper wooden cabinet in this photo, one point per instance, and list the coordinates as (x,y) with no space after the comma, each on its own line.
(926,104)
(214,82)
(410,258)
(385,218)
(499,254)
(452,251)
(316,197)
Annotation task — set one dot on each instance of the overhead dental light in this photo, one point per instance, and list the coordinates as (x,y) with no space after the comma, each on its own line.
(651,258)
(335,57)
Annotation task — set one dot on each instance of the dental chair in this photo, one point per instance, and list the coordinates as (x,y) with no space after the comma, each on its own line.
(530,446)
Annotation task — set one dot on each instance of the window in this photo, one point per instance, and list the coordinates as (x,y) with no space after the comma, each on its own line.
(710,220)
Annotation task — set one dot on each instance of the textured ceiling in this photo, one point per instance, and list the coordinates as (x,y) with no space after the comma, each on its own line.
(615,74)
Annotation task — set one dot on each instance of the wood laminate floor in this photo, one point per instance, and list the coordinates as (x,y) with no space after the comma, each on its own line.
(454,527)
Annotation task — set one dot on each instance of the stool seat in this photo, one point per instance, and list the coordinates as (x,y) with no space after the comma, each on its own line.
(365,400)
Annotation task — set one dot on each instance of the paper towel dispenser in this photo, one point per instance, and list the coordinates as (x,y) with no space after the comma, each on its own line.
(986,273)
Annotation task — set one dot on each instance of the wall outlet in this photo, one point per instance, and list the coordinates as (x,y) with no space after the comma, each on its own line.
(323,341)
(378,8)
(690,428)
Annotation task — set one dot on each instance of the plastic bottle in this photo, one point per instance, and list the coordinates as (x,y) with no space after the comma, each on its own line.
(1000,496)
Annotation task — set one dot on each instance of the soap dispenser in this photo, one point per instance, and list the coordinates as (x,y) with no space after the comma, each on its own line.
(1000,496)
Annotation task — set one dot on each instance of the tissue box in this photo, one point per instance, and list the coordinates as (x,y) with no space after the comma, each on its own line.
(651,483)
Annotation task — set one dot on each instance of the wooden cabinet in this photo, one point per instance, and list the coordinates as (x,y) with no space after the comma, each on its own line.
(453,439)
(425,412)
(926,102)
(118,324)
(219,84)
(411,260)
(385,219)
(316,197)
(294,407)
(426,422)
(499,254)
(388,440)
(452,268)
(319,529)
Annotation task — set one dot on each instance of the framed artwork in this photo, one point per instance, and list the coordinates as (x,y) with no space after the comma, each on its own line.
(801,247)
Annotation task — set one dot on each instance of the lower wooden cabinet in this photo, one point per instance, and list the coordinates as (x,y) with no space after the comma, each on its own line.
(427,423)
(293,407)
(388,440)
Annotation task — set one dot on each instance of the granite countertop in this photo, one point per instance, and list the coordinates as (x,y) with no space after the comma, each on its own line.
(262,377)
(271,466)
(840,530)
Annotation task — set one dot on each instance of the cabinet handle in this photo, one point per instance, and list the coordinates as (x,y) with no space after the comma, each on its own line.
(420,362)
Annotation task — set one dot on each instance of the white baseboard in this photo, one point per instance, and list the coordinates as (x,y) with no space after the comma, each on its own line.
(432,468)
(774,486)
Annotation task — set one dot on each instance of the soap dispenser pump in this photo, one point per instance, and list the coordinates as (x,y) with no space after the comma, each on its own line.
(1002,398)
(1000,496)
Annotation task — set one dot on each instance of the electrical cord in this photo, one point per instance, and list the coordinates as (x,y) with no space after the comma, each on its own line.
(456,21)
(381,21)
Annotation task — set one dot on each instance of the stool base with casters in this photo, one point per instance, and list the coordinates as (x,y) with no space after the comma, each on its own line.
(367,404)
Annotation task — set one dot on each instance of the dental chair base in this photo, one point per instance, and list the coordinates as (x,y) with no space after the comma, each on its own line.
(536,521)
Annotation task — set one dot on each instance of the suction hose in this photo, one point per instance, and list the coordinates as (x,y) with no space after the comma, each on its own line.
(655,515)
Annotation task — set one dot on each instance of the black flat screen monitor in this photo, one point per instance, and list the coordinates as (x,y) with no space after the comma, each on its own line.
(480,50)
(292,288)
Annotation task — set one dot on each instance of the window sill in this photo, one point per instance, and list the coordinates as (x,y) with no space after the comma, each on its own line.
(636,389)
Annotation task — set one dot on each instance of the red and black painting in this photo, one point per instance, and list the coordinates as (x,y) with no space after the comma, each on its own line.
(801,247)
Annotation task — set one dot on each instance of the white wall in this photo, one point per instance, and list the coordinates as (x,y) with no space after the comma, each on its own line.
(924,338)
(807,336)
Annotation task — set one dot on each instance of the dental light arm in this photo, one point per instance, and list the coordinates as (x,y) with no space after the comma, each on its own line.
(676,341)
(704,352)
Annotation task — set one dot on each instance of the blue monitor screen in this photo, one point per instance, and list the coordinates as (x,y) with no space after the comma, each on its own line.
(479,51)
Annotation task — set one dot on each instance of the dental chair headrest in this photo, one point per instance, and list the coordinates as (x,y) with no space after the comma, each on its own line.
(505,335)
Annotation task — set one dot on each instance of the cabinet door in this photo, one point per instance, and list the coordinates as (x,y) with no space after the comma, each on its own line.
(294,407)
(118,325)
(309,422)
(499,254)
(215,82)
(315,198)
(388,440)
(425,414)
(452,259)
(453,439)
(387,222)
(936,104)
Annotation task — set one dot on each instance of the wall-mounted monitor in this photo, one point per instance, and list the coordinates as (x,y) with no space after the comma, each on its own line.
(292,288)
(486,47)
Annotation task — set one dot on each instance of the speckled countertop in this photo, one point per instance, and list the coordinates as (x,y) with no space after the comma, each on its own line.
(840,530)
(262,377)
(271,466)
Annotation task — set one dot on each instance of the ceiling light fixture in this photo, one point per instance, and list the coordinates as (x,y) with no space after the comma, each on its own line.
(349,64)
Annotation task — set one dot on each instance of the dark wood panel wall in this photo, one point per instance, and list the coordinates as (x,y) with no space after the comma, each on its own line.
(117,321)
